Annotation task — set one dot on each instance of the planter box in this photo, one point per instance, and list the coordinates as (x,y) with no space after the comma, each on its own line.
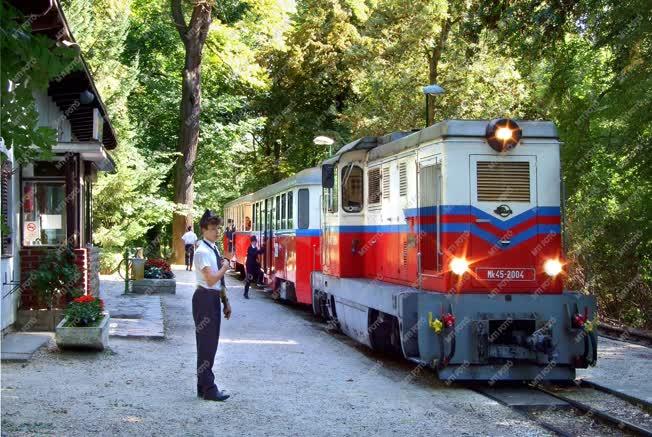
(154,286)
(38,320)
(95,337)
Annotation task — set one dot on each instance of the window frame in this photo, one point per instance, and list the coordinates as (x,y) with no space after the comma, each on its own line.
(352,166)
(37,181)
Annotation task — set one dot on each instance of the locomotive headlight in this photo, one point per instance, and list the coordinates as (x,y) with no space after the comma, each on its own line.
(459,266)
(552,267)
(503,134)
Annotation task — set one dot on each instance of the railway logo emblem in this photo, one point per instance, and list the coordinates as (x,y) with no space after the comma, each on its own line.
(503,211)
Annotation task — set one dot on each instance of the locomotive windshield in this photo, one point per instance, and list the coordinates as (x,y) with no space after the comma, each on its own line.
(352,189)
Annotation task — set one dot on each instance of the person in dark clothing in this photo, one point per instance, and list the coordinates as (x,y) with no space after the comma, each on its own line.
(210,268)
(252,265)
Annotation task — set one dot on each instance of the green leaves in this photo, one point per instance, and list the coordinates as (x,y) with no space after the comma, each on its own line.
(29,63)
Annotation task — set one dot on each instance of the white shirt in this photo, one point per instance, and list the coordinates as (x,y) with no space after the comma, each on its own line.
(205,257)
(189,237)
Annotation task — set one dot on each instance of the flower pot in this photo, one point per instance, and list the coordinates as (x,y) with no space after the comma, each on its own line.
(93,337)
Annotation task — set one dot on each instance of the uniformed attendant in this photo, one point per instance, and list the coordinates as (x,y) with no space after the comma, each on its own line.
(209,271)
(251,264)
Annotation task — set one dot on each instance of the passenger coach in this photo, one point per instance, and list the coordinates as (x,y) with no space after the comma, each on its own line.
(285,219)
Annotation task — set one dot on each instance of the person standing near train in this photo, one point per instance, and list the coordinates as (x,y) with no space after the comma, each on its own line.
(252,265)
(190,243)
(210,268)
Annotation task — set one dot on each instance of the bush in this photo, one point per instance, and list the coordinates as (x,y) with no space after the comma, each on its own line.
(109,261)
(84,311)
(56,275)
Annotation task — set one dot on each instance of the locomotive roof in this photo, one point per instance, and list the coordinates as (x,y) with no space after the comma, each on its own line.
(396,142)
(459,128)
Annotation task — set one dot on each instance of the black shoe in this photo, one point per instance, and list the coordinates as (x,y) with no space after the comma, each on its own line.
(218,396)
(246,296)
(200,392)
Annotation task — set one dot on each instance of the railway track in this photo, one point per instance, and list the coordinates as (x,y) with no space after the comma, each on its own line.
(582,409)
(630,335)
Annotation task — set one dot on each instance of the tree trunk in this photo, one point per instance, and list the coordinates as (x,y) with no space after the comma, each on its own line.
(193,36)
(434,56)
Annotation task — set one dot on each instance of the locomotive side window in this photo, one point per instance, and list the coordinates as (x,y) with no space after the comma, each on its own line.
(373,180)
(352,188)
(304,208)
(290,211)
(284,221)
(503,181)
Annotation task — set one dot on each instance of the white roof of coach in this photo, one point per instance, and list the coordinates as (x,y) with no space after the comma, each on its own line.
(458,128)
(241,199)
(309,176)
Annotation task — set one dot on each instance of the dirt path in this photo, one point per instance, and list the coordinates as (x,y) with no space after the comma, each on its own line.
(287,376)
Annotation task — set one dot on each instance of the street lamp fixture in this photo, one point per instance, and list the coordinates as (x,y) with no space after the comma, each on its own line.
(325,141)
(431,90)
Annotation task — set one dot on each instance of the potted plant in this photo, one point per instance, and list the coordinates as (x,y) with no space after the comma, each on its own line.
(158,278)
(85,325)
(55,277)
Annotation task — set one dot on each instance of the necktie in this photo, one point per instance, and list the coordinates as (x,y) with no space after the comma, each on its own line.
(218,258)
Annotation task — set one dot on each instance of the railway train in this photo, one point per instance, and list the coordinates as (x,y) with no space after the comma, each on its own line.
(442,245)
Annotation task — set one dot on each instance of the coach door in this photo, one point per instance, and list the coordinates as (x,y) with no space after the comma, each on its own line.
(428,218)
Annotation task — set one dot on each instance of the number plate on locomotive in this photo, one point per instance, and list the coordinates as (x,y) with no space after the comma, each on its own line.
(505,274)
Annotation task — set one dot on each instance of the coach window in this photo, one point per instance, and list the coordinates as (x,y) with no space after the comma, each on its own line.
(284,211)
(304,208)
(352,188)
(278,212)
(290,211)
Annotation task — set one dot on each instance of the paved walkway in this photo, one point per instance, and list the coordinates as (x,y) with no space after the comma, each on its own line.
(132,315)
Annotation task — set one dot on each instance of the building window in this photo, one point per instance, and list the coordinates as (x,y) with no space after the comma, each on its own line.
(352,189)
(373,180)
(44,213)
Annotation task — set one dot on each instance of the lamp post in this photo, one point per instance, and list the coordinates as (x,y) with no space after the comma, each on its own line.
(325,141)
(431,90)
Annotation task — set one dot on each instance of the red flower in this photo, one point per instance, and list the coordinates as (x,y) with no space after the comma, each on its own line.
(159,263)
(85,299)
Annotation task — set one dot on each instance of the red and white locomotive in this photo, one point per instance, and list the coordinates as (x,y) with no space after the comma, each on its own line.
(443,245)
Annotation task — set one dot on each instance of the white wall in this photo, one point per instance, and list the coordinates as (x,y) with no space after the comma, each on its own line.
(49,115)
(10,266)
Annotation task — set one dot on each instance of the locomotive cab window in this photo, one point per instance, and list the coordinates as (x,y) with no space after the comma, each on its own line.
(352,188)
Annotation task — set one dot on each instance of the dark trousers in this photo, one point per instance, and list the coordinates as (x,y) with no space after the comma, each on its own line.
(254,274)
(207,315)
(190,254)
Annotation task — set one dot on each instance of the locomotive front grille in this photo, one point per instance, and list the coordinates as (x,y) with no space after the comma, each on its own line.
(503,181)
